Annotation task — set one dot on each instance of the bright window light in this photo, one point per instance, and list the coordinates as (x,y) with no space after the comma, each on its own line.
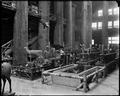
(109,24)
(113,40)
(99,25)
(116,24)
(100,12)
(116,10)
(109,38)
(94,25)
(92,42)
(109,11)
(109,42)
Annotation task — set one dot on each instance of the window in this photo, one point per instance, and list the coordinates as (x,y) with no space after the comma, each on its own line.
(116,24)
(92,42)
(94,25)
(109,24)
(109,11)
(113,40)
(109,38)
(100,12)
(110,42)
(99,25)
(116,11)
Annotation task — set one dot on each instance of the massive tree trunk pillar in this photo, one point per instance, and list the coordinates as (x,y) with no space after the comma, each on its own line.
(73,25)
(89,23)
(43,34)
(58,35)
(105,22)
(20,38)
(69,24)
(86,23)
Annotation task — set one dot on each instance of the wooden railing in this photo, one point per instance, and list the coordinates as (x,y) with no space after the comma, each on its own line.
(9,4)
(6,46)
(6,49)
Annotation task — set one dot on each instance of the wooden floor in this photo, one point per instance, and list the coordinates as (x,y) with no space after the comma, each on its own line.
(110,86)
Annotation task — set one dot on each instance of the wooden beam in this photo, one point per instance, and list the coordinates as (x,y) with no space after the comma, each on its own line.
(20,38)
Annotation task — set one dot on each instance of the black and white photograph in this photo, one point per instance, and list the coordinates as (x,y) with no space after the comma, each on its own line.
(59,48)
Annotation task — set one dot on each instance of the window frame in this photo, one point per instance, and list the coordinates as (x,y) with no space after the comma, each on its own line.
(110,25)
(110,11)
(99,25)
(94,27)
(116,11)
(117,24)
(100,13)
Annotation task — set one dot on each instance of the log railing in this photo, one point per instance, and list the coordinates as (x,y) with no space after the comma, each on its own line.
(6,48)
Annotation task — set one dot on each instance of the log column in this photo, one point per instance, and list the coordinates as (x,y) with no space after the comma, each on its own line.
(58,35)
(86,23)
(104,25)
(20,37)
(89,23)
(73,24)
(69,24)
(43,33)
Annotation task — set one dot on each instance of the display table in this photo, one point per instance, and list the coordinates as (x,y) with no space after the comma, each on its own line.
(62,76)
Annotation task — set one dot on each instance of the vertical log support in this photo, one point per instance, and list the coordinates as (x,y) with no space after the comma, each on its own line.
(43,33)
(84,26)
(69,24)
(105,19)
(58,35)
(89,22)
(73,24)
(97,75)
(20,38)
(85,83)
(86,23)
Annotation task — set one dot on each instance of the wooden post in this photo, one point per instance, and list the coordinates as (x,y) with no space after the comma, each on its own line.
(104,25)
(89,22)
(96,75)
(58,35)
(69,26)
(43,33)
(104,72)
(86,23)
(85,83)
(73,24)
(20,38)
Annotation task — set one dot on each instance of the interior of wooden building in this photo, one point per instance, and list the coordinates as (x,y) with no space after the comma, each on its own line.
(60,47)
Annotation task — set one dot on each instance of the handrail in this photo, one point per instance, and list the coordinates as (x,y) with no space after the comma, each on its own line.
(7,43)
(5,47)
(9,4)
